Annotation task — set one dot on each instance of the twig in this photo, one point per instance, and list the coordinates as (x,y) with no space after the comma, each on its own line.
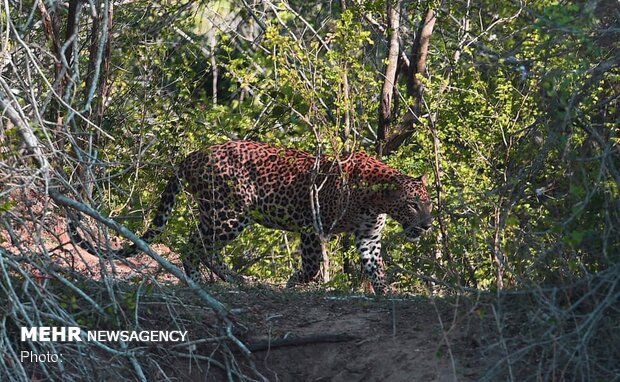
(298,341)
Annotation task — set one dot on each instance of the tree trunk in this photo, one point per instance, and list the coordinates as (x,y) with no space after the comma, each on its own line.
(387,92)
(390,137)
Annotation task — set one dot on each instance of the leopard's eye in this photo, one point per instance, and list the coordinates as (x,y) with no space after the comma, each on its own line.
(415,205)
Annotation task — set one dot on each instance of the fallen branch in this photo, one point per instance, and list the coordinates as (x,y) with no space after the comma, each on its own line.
(299,341)
(219,308)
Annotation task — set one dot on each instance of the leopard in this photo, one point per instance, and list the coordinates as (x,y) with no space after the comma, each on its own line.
(239,183)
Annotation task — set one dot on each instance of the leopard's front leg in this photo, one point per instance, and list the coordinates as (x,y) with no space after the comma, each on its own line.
(368,245)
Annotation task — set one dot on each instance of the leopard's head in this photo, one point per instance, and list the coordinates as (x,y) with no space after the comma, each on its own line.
(407,201)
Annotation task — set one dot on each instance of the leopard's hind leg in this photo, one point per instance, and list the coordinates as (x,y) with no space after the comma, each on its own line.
(311,257)
(204,246)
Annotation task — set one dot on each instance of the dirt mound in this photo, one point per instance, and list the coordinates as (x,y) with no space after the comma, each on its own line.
(318,337)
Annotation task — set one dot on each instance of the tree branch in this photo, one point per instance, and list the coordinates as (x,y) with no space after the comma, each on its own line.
(296,341)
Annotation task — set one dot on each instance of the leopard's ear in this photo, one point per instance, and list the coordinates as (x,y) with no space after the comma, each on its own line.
(423,179)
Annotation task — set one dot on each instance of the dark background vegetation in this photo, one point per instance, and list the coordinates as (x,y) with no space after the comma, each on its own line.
(510,107)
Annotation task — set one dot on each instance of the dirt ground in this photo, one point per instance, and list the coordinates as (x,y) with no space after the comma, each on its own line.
(315,335)
(388,339)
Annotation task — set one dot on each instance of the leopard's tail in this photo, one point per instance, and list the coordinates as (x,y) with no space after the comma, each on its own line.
(166,202)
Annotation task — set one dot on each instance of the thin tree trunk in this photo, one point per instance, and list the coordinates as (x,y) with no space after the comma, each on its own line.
(395,137)
(415,87)
(214,68)
(387,92)
(325,277)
